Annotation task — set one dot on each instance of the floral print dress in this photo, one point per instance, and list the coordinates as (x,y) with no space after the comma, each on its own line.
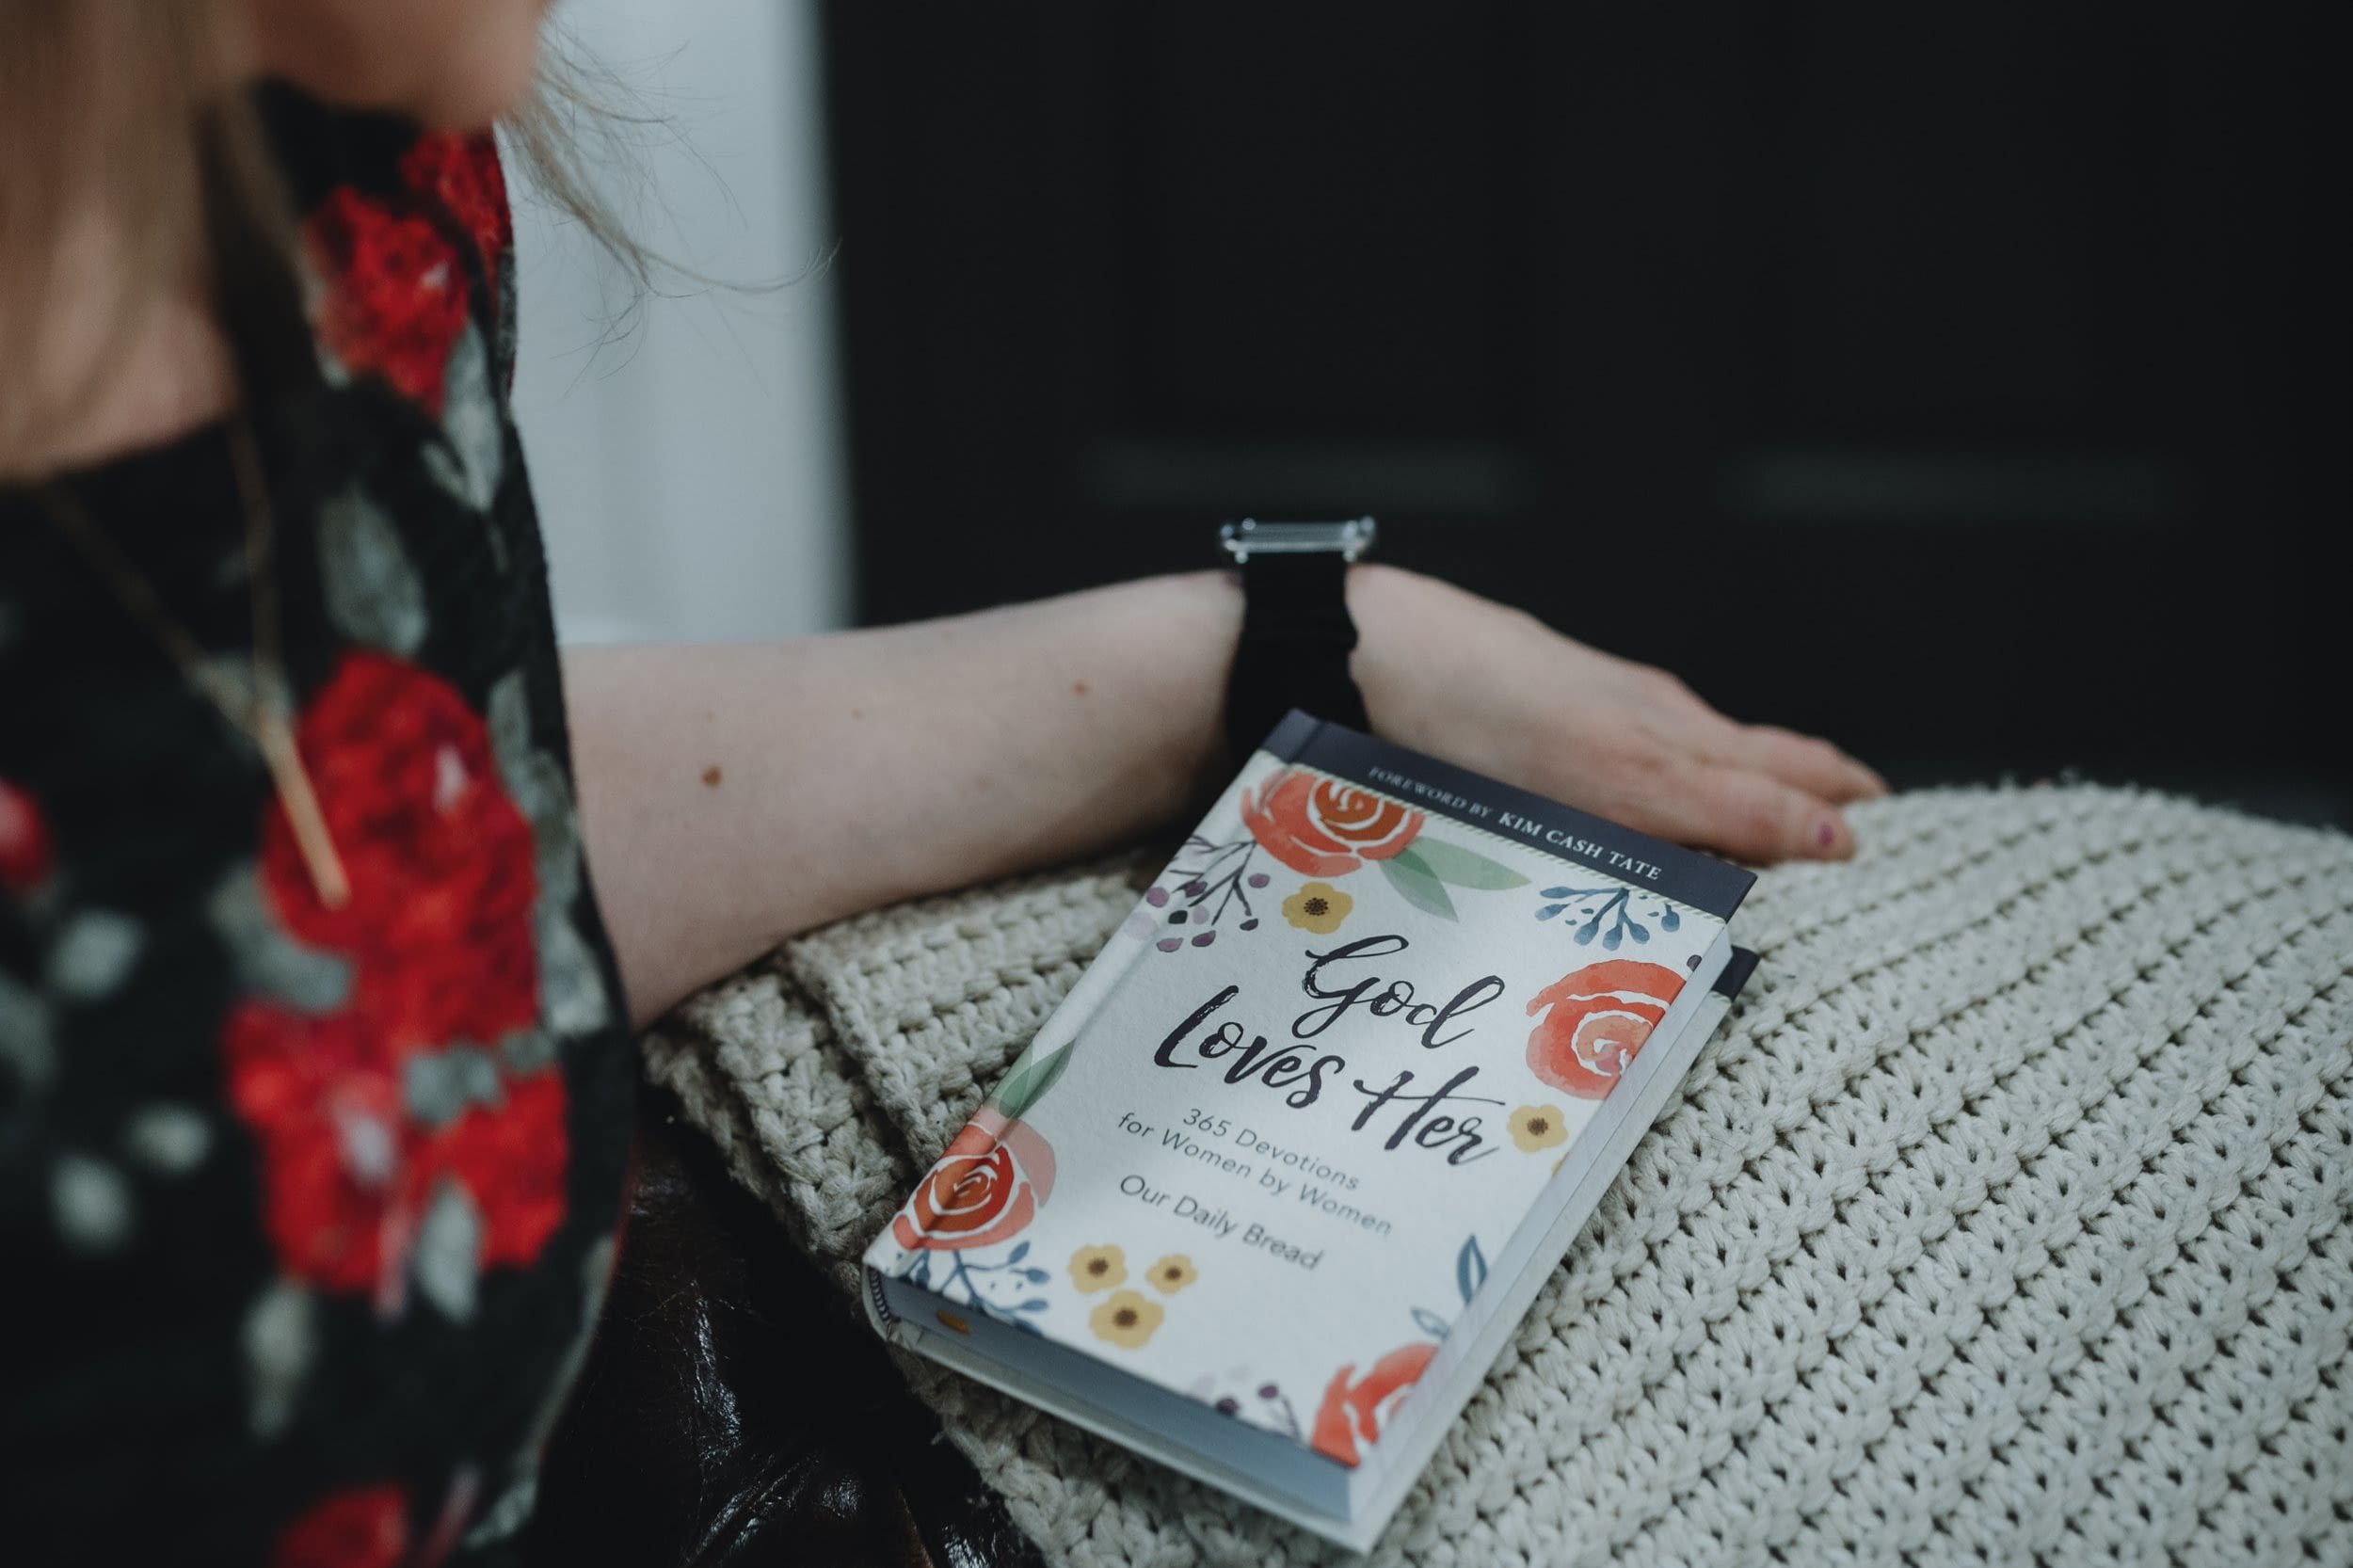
(305,1212)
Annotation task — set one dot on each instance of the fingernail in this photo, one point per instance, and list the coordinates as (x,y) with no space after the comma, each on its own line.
(1826,836)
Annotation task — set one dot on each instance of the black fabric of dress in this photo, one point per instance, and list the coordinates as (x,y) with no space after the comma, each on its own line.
(306,1212)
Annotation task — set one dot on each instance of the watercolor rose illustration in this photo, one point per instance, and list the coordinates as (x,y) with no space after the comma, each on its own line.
(1593,1021)
(1320,826)
(984,1189)
(1353,1408)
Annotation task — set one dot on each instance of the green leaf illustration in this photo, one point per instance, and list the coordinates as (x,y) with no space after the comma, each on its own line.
(1463,867)
(1027,1084)
(1410,878)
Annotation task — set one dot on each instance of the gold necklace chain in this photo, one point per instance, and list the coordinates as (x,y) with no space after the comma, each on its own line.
(261,714)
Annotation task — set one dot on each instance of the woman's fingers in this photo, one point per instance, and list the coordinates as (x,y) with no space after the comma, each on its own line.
(1802,761)
(1747,814)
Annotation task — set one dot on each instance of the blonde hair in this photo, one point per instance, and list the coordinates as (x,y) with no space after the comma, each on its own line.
(119,120)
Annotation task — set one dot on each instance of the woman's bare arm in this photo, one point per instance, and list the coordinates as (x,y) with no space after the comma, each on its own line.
(732,795)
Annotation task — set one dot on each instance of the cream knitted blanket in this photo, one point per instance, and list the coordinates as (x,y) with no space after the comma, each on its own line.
(2009,1219)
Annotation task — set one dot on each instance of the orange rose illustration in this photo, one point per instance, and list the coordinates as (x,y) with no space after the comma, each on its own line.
(1321,827)
(983,1191)
(1355,1411)
(1599,1018)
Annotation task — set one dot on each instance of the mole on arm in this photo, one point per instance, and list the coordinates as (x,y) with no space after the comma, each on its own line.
(712,776)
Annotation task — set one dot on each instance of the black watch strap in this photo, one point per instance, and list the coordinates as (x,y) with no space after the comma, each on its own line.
(1296,632)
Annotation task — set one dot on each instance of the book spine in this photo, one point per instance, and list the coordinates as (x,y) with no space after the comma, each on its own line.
(878,1309)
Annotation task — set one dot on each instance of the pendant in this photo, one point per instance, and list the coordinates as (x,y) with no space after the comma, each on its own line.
(301,806)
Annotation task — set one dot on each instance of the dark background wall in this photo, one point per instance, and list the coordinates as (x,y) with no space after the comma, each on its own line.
(1964,382)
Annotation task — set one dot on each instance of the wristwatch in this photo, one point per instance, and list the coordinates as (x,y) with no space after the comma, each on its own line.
(1296,634)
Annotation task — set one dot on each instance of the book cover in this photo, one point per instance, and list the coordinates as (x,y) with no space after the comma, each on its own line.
(1269,1149)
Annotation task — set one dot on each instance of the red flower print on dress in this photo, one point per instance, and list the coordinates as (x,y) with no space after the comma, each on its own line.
(341,1184)
(395,297)
(1599,1017)
(1320,826)
(984,1189)
(365,1526)
(511,1157)
(438,857)
(1352,1412)
(25,852)
(438,934)
(462,173)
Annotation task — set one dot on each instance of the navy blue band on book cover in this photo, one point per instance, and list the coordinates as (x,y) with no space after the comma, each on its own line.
(1700,881)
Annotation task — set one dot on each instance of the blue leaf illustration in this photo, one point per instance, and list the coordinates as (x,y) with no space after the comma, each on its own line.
(1616,931)
(1018,1252)
(1035,1276)
(1429,1322)
(1669,920)
(1036,1303)
(922,1272)
(1559,892)
(1470,1268)
(1549,910)
(1637,930)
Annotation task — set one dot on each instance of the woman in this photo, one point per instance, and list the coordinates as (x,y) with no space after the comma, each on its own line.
(314,1064)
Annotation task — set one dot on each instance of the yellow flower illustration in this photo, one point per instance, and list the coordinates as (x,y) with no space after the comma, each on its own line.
(1171,1274)
(1128,1318)
(1319,907)
(1538,1127)
(1098,1268)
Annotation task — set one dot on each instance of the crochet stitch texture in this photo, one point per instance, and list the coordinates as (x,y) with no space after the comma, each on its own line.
(2009,1219)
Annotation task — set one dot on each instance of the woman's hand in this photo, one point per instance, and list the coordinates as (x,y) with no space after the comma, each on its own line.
(1495,690)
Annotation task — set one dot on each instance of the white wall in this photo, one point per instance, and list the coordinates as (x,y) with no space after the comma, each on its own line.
(690,476)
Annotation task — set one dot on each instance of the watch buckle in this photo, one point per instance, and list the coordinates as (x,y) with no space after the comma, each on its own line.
(1349,538)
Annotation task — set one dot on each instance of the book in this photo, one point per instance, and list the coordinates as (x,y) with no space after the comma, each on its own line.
(1270,1191)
